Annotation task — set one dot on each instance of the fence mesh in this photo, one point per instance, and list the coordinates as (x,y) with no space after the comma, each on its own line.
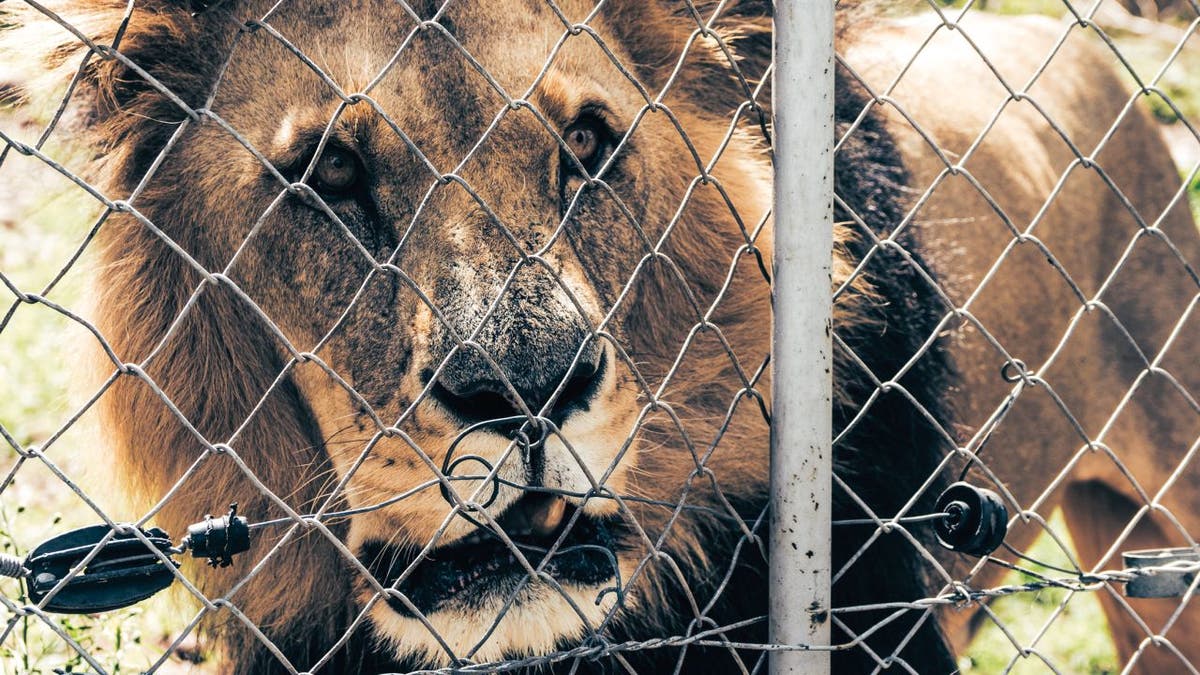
(467,307)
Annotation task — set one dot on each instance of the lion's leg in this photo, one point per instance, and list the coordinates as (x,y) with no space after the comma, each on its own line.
(1096,515)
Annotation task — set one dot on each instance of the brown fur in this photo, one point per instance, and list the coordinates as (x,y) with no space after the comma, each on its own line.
(1027,305)
(276,429)
(217,362)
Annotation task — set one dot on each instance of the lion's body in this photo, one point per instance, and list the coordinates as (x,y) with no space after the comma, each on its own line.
(1028,304)
(216,346)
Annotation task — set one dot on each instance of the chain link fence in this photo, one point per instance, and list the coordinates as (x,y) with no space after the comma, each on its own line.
(467,307)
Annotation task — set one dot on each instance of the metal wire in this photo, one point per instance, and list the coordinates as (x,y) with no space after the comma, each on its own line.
(477,485)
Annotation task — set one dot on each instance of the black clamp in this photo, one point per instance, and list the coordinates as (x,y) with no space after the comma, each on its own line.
(218,539)
(122,567)
(975,521)
(124,571)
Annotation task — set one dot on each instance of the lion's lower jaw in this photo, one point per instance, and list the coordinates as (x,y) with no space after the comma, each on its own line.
(538,622)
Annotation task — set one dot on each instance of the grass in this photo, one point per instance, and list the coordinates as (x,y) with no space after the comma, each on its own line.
(43,219)
(1076,640)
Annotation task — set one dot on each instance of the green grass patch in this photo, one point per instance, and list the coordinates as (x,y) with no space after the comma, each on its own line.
(1067,629)
(43,220)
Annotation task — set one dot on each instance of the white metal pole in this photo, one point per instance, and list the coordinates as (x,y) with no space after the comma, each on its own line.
(801,430)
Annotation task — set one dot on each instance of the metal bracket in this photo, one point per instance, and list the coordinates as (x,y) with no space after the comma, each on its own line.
(1170,571)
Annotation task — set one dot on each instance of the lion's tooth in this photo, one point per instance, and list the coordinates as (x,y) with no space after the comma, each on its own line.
(546,520)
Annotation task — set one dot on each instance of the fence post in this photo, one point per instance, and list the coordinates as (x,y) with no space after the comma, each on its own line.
(801,430)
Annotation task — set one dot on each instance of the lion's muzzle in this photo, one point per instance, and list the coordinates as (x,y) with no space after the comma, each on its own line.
(555,539)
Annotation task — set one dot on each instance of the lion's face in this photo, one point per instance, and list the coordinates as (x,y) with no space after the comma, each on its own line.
(450,263)
(509,254)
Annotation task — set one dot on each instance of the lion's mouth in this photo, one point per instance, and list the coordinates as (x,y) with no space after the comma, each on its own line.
(482,567)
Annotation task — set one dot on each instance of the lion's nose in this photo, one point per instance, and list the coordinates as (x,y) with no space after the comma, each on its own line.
(551,382)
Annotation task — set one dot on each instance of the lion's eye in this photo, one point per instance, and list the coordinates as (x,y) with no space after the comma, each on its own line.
(337,172)
(586,138)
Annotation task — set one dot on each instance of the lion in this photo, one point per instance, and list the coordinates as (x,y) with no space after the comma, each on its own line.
(473,300)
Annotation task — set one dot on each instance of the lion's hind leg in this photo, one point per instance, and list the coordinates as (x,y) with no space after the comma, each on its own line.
(1148,634)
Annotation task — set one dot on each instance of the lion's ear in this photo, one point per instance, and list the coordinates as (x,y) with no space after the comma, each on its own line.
(127,62)
(718,68)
